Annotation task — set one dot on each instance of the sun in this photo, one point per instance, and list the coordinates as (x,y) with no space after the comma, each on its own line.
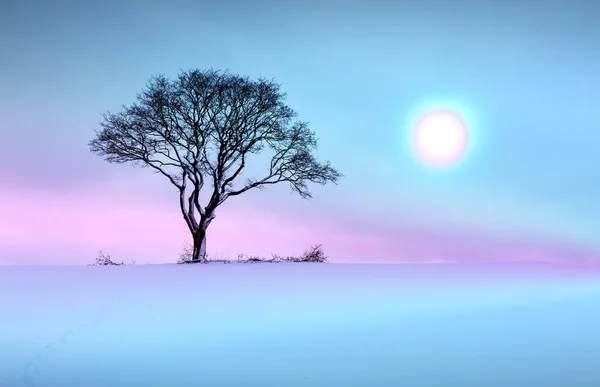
(440,138)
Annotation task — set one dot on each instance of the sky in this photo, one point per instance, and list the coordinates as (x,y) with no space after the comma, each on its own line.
(522,74)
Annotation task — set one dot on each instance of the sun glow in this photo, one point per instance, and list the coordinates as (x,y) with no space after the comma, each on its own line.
(440,138)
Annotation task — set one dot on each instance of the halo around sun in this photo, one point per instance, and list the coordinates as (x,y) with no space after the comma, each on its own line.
(440,138)
(440,133)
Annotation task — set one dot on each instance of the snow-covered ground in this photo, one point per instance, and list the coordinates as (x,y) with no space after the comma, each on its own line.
(301,325)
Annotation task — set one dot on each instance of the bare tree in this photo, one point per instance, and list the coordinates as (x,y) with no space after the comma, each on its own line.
(201,128)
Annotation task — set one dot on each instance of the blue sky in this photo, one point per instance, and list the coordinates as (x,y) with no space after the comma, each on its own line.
(524,75)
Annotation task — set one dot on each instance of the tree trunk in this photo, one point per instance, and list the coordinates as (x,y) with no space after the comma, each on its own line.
(199,252)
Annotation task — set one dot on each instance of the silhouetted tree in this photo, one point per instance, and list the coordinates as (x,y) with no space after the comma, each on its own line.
(201,128)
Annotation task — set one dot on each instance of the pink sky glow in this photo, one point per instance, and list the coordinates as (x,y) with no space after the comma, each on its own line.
(69,228)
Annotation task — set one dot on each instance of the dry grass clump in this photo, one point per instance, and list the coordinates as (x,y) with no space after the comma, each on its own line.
(105,260)
(314,254)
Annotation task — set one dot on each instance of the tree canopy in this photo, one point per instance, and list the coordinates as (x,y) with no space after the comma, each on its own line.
(202,128)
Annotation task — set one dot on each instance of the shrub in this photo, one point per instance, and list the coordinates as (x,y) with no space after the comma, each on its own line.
(106,260)
(186,254)
(314,254)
